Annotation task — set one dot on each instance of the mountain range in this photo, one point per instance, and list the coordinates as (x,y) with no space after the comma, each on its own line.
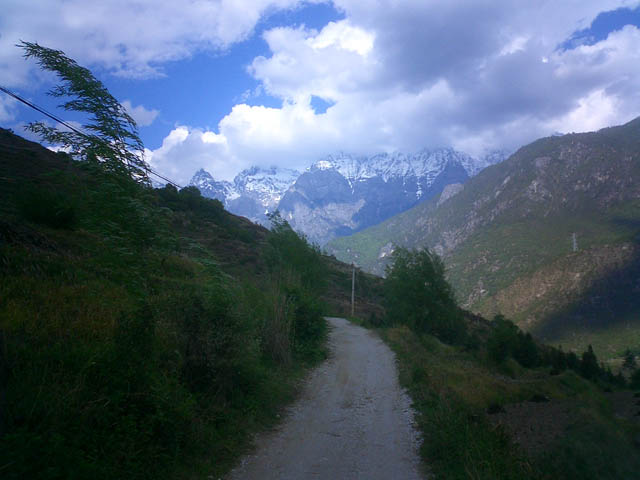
(252,194)
(343,193)
(550,238)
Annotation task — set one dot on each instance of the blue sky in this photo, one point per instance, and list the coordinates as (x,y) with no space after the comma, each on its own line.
(226,84)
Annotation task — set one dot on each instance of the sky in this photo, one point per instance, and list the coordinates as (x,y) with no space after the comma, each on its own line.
(228,84)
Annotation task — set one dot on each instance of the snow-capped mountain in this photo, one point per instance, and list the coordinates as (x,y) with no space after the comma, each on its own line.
(253,193)
(210,188)
(343,193)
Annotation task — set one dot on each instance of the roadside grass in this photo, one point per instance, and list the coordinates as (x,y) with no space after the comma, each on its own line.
(146,334)
(453,390)
(99,386)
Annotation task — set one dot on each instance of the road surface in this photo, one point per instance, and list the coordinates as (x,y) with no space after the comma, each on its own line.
(351,421)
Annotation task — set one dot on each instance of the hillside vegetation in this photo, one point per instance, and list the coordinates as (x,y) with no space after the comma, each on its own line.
(507,239)
(143,333)
(493,403)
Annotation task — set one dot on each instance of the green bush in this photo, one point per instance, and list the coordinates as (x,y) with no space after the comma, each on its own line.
(417,294)
(507,340)
(48,208)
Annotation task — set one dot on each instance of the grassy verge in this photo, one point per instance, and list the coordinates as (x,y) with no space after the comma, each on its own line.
(143,333)
(453,390)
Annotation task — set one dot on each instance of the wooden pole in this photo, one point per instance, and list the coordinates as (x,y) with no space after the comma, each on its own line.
(353,289)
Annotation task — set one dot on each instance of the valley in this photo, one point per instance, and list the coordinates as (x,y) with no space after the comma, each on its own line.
(548,238)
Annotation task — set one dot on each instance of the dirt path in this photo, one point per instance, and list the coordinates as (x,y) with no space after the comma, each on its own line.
(352,420)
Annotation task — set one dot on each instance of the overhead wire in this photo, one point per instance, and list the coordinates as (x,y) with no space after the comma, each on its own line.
(74,129)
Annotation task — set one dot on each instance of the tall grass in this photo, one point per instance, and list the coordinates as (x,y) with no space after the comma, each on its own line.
(125,350)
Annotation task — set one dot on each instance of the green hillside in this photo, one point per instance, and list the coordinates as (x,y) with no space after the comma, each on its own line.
(144,333)
(507,238)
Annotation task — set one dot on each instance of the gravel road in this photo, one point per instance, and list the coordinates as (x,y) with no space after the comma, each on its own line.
(352,419)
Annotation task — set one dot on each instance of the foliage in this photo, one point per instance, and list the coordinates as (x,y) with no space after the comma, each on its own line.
(289,251)
(453,391)
(506,339)
(629,360)
(589,367)
(126,350)
(47,207)
(417,294)
(296,325)
(114,139)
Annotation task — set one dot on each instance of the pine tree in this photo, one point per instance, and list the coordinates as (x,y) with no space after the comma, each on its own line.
(589,367)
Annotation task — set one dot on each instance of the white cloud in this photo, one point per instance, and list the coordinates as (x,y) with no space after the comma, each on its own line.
(185,150)
(7,108)
(140,114)
(398,74)
(405,76)
(131,39)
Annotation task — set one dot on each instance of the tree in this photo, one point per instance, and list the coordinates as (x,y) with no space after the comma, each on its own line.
(526,352)
(112,139)
(629,360)
(589,364)
(417,293)
(503,339)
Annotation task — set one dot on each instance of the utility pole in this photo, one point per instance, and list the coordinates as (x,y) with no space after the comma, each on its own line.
(353,289)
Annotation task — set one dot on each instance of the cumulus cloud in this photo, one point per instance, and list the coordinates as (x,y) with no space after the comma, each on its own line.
(7,108)
(412,74)
(186,150)
(474,75)
(140,114)
(131,39)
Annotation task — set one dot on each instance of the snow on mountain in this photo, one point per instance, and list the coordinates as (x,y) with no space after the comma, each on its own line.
(343,193)
(424,165)
(253,193)
(266,185)
(210,188)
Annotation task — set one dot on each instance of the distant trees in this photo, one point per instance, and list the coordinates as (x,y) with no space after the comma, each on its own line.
(417,294)
(110,136)
(629,360)
(506,339)
(589,367)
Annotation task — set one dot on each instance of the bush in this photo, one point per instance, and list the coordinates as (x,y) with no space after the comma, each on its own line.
(503,339)
(417,294)
(506,340)
(589,367)
(47,208)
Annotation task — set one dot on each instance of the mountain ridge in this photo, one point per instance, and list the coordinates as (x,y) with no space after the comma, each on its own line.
(514,221)
(342,193)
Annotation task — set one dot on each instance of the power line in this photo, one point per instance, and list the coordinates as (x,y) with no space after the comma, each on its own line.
(71,127)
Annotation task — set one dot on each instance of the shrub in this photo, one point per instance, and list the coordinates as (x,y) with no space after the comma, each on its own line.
(417,293)
(589,367)
(507,339)
(47,208)
(503,339)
